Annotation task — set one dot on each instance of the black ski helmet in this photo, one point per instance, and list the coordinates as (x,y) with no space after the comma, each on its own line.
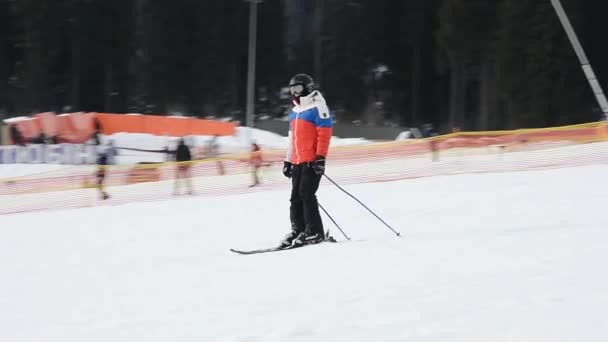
(304,80)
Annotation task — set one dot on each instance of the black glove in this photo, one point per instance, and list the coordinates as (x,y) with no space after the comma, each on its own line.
(287,169)
(318,166)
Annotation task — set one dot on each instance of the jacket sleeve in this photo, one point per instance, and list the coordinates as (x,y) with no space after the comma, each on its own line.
(324,125)
(289,142)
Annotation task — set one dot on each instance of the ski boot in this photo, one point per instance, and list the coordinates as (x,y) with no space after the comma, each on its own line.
(307,238)
(288,240)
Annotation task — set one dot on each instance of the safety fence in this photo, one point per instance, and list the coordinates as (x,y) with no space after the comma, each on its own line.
(79,127)
(467,152)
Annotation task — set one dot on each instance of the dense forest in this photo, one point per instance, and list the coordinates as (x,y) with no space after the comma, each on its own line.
(464,64)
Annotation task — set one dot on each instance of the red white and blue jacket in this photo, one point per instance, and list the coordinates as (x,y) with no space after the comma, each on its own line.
(310,129)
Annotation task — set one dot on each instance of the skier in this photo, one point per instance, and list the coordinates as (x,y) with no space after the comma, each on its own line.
(213,151)
(310,130)
(256,162)
(183,157)
(16,135)
(102,166)
(111,152)
(96,136)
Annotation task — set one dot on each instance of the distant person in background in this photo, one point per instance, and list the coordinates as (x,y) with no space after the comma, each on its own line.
(183,158)
(256,162)
(97,132)
(40,139)
(428,130)
(434,150)
(102,167)
(16,136)
(168,153)
(213,151)
(111,152)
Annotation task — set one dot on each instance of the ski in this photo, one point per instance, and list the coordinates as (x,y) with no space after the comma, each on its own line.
(264,250)
(279,248)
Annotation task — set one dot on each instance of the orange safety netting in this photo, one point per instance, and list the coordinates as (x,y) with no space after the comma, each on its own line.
(78,127)
(466,152)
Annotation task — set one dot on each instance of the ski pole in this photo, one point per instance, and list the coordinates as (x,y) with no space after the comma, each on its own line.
(364,206)
(332,220)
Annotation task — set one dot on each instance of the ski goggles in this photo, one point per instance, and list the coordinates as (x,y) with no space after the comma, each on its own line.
(296,89)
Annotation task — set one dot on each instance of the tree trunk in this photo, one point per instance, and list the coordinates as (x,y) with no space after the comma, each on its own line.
(318,40)
(136,96)
(32,97)
(5,39)
(487,98)
(419,64)
(457,93)
(234,85)
(416,82)
(76,66)
(5,98)
(109,82)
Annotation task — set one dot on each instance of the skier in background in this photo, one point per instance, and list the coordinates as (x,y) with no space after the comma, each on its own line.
(96,136)
(111,152)
(256,162)
(310,130)
(213,151)
(183,157)
(16,135)
(102,168)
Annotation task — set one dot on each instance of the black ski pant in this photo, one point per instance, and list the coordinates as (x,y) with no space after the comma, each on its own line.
(304,209)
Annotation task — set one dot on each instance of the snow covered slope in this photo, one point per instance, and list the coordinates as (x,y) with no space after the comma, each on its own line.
(485,257)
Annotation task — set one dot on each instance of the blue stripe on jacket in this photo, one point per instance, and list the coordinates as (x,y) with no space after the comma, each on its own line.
(312,115)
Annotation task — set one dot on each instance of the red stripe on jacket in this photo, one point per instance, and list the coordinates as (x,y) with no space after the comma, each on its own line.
(308,141)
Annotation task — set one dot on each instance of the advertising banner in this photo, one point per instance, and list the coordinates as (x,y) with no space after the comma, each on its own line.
(71,154)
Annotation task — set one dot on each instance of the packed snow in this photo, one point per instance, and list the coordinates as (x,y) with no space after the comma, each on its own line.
(512,256)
